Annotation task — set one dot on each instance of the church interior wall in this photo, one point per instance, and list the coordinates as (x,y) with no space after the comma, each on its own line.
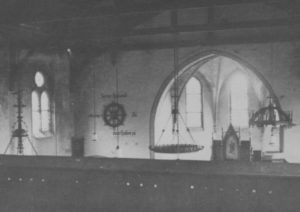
(142,76)
(142,73)
(147,105)
(56,67)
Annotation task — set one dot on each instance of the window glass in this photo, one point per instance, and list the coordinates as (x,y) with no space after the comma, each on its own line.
(41,113)
(193,86)
(45,112)
(35,101)
(193,103)
(39,79)
(36,116)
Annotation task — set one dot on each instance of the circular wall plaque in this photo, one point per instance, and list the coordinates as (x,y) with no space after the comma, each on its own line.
(114,114)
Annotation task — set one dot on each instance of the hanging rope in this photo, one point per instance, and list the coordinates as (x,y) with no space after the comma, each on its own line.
(94,115)
(114,109)
(116,98)
(94,105)
(175,111)
(176,147)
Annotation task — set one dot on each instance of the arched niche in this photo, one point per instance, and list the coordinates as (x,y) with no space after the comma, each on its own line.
(214,70)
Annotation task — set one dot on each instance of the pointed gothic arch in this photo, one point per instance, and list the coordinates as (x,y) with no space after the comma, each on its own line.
(187,68)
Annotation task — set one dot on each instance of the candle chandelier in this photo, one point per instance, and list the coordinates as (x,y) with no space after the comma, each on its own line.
(271,115)
(19,133)
(177,144)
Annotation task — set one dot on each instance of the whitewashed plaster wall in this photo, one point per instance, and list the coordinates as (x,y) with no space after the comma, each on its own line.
(142,73)
(57,68)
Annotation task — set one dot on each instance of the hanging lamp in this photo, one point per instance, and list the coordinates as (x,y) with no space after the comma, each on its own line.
(272,115)
(176,146)
(94,115)
(114,113)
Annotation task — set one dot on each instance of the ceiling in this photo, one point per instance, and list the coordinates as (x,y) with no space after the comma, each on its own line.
(103,24)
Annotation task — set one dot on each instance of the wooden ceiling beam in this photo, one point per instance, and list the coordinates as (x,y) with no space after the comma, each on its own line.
(151,45)
(213,27)
(130,6)
(44,11)
(215,42)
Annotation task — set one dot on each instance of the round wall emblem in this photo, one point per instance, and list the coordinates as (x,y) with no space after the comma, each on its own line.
(114,114)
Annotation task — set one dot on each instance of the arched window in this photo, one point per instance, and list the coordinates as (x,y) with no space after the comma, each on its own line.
(40,105)
(194,104)
(239,100)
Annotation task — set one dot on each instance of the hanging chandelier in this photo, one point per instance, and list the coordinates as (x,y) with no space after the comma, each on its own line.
(176,148)
(177,144)
(272,115)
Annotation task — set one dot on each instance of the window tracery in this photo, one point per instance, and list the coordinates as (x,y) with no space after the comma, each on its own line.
(41,107)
